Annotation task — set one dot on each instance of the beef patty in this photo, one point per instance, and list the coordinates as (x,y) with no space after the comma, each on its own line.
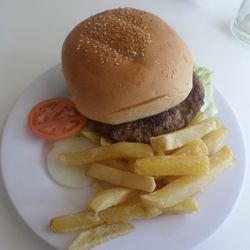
(168,121)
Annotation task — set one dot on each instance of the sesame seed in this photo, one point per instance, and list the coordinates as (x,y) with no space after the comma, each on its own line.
(109,34)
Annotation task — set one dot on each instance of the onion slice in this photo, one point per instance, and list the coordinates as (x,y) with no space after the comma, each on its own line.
(68,176)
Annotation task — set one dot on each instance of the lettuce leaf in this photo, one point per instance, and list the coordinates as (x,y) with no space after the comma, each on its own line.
(209,107)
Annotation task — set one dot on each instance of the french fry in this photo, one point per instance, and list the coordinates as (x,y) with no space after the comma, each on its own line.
(73,222)
(91,135)
(101,185)
(116,163)
(167,152)
(200,116)
(196,147)
(97,186)
(215,140)
(120,150)
(172,165)
(181,163)
(121,178)
(160,153)
(160,183)
(130,165)
(95,236)
(104,141)
(109,197)
(187,206)
(184,187)
(128,211)
(183,136)
(120,214)
(170,178)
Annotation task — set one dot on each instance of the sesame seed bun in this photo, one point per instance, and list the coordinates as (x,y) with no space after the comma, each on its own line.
(125,64)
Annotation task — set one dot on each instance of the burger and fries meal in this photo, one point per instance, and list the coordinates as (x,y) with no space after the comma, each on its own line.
(141,127)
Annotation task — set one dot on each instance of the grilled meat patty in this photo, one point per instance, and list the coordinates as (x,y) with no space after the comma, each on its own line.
(168,121)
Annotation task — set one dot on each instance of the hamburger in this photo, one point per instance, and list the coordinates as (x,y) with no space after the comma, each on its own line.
(131,75)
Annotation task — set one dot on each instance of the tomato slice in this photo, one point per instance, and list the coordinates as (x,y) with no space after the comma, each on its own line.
(55,119)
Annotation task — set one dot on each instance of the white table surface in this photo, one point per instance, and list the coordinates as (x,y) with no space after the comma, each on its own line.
(31,36)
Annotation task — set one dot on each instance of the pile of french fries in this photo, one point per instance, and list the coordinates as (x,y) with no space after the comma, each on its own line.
(145,181)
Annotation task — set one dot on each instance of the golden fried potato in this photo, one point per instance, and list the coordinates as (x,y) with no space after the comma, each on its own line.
(200,116)
(127,211)
(183,136)
(172,165)
(121,178)
(109,197)
(196,147)
(120,150)
(117,163)
(73,222)
(184,187)
(88,239)
(187,206)
(91,135)
(105,141)
(215,140)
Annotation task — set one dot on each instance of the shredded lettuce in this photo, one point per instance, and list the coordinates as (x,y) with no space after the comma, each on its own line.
(209,107)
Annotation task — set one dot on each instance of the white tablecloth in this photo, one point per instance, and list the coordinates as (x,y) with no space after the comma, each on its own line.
(31,36)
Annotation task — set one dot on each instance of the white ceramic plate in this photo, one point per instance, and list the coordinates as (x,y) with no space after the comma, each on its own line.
(37,198)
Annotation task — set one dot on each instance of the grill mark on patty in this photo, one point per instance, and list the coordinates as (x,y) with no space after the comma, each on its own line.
(165,122)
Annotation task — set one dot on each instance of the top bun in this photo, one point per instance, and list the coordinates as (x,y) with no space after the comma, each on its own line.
(125,64)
